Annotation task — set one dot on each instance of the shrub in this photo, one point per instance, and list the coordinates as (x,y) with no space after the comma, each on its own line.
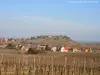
(10,46)
(32,51)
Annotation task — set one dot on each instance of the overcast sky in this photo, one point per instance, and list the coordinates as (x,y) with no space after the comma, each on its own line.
(78,20)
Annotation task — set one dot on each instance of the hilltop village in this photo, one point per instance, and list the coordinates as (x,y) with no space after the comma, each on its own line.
(39,44)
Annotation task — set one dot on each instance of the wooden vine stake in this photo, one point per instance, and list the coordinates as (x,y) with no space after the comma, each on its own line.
(92,66)
(65,65)
(52,65)
(85,67)
(1,63)
(34,65)
(73,68)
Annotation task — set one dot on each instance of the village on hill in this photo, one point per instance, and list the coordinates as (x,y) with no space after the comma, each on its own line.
(45,44)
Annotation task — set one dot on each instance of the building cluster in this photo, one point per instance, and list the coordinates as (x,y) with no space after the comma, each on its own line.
(3,40)
(57,48)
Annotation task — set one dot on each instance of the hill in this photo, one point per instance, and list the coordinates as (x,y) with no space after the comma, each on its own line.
(52,40)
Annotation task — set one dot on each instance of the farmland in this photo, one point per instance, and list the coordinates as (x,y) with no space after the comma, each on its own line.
(50,64)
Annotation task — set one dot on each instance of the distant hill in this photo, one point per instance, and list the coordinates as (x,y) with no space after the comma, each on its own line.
(55,40)
(52,40)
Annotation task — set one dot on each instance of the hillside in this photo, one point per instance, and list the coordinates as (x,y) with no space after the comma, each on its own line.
(52,40)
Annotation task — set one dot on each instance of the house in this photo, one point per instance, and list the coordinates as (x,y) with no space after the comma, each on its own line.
(64,49)
(3,40)
(54,49)
(76,50)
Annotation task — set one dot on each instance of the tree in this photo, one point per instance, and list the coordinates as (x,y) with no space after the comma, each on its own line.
(47,47)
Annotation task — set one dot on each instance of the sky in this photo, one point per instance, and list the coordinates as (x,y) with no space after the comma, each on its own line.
(77,19)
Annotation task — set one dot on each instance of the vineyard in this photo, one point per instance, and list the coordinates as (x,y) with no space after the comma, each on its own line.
(58,64)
